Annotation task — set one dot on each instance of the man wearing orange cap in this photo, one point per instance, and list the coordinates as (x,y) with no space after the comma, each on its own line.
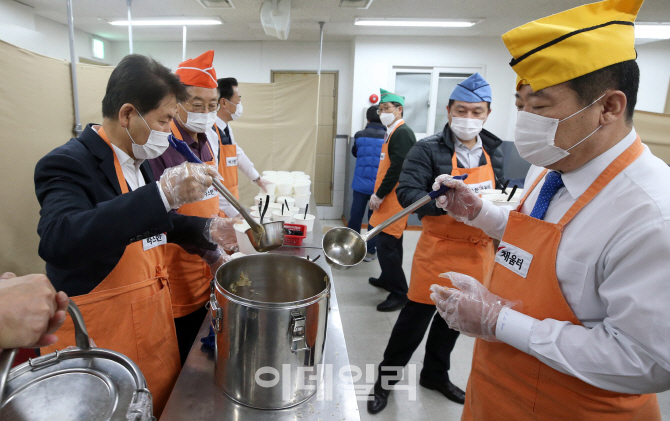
(190,274)
(586,252)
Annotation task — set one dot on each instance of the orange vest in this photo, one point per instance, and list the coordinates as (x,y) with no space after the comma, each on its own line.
(446,245)
(129,312)
(189,274)
(390,205)
(228,166)
(507,384)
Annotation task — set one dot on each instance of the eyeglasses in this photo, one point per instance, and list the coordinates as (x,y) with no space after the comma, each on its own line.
(386,110)
(199,107)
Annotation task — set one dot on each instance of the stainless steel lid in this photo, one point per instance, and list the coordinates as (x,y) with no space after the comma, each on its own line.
(79,383)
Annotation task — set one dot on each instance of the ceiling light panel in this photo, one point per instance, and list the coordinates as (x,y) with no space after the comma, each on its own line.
(420,23)
(652,30)
(168,22)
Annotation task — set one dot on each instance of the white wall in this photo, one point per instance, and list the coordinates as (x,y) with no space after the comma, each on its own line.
(375,58)
(20,27)
(253,61)
(654,61)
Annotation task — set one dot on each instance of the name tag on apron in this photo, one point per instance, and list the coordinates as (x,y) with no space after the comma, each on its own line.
(155,241)
(231,162)
(514,258)
(211,192)
(381,157)
(477,187)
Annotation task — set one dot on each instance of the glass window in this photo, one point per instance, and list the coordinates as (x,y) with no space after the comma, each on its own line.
(415,87)
(446,84)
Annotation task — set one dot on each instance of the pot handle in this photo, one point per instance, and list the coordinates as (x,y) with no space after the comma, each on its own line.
(8,355)
(297,332)
(217,314)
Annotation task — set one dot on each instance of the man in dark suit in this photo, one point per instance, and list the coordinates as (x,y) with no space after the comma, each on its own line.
(105,220)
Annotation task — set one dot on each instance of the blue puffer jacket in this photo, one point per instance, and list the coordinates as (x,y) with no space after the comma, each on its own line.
(367,149)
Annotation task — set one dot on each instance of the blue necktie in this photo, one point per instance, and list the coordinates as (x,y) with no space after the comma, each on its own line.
(552,183)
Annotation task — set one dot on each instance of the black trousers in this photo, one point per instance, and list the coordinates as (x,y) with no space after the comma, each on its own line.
(407,335)
(187,330)
(389,251)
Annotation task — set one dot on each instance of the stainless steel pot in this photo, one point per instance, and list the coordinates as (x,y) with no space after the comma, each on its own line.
(269,313)
(77,384)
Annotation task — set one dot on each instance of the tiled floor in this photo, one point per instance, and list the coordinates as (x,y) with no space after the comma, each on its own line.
(367,332)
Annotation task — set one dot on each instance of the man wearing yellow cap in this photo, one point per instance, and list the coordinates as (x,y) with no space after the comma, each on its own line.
(384,202)
(190,274)
(584,258)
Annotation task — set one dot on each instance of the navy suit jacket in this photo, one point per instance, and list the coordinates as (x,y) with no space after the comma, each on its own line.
(86,223)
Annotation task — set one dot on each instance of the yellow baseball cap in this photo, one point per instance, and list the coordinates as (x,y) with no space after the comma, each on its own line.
(573,43)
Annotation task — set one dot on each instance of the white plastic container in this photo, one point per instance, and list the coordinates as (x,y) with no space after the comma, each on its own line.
(269,173)
(288,199)
(271,188)
(242,240)
(287,216)
(307,220)
(284,187)
(301,201)
(518,193)
(297,173)
(301,187)
(273,206)
(283,173)
(501,200)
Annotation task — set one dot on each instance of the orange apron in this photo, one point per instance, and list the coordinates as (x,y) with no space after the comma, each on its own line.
(390,206)
(446,245)
(129,312)
(189,274)
(228,165)
(507,384)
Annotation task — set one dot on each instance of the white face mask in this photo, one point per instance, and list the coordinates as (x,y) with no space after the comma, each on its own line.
(156,144)
(238,111)
(198,122)
(466,128)
(387,118)
(534,137)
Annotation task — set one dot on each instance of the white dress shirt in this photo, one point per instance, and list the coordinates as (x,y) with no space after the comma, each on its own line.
(391,128)
(244,164)
(613,268)
(131,171)
(466,156)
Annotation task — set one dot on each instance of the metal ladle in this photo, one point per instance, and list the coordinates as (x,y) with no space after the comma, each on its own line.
(344,247)
(263,237)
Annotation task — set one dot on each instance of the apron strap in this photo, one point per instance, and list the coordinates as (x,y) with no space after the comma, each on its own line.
(527,193)
(624,160)
(117,165)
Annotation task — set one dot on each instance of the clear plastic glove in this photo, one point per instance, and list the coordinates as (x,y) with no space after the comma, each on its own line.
(471,309)
(30,311)
(215,259)
(460,202)
(187,183)
(220,231)
(375,202)
(262,183)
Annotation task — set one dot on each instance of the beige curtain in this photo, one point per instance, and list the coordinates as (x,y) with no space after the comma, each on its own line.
(278,132)
(278,128)
(653,129)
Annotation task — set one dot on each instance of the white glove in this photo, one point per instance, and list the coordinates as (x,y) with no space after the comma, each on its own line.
(262,183)
(186,183)
(222,232)
(471,309)
(215,259)
(460,202)
(375,202)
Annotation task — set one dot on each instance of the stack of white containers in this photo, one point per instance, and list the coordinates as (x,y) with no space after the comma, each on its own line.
(293,188)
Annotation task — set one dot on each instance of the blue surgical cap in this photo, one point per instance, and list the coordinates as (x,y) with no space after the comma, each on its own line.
(473,89)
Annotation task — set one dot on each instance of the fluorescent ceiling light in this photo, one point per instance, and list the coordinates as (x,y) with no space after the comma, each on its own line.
(417,23)
(652,31)
(167,22)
